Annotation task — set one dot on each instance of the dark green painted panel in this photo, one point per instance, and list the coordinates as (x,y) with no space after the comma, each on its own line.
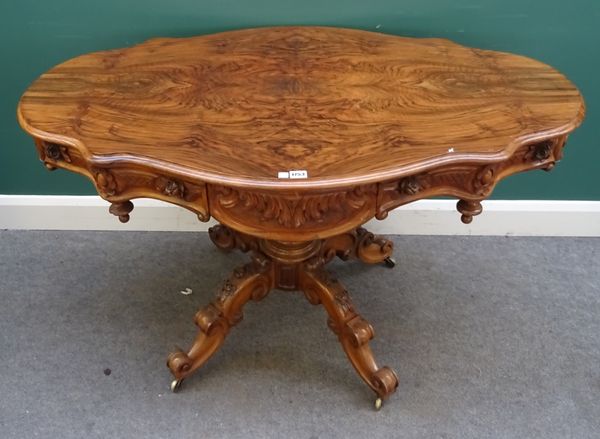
(35,35)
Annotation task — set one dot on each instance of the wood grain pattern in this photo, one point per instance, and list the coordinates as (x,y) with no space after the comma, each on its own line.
(348,106)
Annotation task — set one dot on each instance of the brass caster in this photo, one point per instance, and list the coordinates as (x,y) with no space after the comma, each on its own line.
(389,262)
(175,385)
(378,404)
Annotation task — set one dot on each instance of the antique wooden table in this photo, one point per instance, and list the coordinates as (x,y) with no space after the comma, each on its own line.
(292,138)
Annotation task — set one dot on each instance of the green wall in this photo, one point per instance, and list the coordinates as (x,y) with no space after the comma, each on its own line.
(35,35)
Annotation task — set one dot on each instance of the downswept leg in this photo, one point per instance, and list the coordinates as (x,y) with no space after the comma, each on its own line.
(251,281)
(353,331)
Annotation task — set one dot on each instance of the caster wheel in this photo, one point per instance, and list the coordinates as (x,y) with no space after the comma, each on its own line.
(389,262)
(175,385)
(378,404)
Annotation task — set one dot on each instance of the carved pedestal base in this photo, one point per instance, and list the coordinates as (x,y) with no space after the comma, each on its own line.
(291,266)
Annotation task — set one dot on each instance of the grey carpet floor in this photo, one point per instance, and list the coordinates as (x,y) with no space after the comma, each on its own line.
(491,338)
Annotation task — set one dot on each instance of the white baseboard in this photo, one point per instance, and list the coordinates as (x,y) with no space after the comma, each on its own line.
(425,217)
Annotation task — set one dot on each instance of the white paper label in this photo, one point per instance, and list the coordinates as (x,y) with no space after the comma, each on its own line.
(301,173)
(298,174)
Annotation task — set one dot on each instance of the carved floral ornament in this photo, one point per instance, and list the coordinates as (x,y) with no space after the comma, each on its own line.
(106,182)
(475,181)
(410,185)
(484,179)
(291,211)
(170,187)
(57,152)
(540,151)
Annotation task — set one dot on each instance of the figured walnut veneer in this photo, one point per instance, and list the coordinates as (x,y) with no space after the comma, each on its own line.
(377,121)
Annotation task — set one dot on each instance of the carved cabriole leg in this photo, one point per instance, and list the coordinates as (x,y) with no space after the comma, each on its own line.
(252,281)
(353,331)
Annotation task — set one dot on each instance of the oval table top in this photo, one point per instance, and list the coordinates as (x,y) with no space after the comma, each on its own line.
(346,106)
(370,120)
